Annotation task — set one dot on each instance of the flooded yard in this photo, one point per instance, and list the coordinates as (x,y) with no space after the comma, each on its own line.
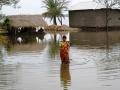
(33,62)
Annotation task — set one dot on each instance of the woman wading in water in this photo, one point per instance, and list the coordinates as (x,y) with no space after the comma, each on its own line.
(64,51)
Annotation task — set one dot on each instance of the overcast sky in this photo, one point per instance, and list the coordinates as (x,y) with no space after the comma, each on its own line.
(31,7)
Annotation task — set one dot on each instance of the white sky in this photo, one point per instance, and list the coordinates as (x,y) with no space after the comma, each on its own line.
(31,7)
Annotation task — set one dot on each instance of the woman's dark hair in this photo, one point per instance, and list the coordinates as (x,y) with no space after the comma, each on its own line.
(64,37)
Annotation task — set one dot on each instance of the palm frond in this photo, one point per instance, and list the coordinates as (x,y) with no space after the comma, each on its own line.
(55,8)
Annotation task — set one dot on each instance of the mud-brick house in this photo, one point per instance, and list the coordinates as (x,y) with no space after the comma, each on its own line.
(92,14)
(25,23)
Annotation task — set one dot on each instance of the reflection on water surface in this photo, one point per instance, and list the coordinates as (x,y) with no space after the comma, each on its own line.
(33,62)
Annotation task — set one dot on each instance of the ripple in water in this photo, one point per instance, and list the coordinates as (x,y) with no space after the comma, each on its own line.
(34,64)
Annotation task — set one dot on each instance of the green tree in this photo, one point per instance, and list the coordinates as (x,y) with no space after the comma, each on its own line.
(8,2)
(54,9)
(6,23)
(54,48)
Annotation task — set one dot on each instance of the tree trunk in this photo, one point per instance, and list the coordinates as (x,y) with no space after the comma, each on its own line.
(107,33)
(106,19)
(55,37)
(54,21)
(60,20)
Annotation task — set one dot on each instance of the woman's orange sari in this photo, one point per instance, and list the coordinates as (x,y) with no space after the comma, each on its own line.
(64,52)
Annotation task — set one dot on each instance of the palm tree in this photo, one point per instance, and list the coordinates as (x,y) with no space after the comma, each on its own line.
(54,9)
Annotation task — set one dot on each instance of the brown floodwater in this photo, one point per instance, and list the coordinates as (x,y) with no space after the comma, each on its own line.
(33,62)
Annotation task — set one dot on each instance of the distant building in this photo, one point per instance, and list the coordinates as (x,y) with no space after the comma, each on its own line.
(92,14)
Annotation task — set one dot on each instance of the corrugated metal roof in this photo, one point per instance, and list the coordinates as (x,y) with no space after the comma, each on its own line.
(87,5)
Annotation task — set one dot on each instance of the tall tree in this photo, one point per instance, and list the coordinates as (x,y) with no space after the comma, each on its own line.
(54,9)
(8,2)
(108,5)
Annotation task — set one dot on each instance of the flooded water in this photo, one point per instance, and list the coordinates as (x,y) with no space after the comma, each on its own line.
(33,62)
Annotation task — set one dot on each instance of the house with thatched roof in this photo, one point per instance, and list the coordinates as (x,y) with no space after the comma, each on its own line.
(25,22)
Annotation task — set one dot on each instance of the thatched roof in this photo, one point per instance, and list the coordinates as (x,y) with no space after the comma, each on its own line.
(59,28)
(27,21)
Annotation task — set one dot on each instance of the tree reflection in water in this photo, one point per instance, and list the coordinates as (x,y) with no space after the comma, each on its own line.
(54,48)
(65,76)
(54,43)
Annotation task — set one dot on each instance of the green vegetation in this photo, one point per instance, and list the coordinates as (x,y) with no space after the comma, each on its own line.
(3,40)
(4,19)
(6,23)
(1,20)
(54,49)
(8,2)
(55,9)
